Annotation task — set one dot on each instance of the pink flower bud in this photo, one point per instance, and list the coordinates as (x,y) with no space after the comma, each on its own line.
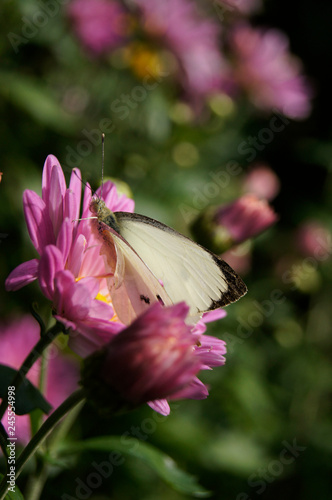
(246,217)
(156,357)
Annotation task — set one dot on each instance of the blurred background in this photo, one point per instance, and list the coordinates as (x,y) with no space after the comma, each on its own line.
(201,102)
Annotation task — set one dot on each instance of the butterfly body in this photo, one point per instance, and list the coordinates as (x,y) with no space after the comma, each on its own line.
(153,262)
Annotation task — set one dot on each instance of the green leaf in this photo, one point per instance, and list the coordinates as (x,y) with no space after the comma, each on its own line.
(27,397)
(13,495)
(160,463)
(37,100)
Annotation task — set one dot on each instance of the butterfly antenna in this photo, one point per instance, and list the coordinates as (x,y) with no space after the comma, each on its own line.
(102,163)
(82,181)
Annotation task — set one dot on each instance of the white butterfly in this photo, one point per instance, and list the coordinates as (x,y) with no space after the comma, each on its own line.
(153,262)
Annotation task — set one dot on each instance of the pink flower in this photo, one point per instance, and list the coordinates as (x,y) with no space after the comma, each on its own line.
(191,38)
(17,338)
(238,258)
(101,25)
(154,360)
(268,72)
(70,270)
(72,275)
(235,6)
(314,240)
(262,181)
(245,217)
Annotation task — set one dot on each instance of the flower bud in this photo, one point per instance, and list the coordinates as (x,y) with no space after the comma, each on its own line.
(154,358)
(226,226)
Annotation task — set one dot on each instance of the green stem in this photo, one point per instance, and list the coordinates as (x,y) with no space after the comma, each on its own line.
(73,400)
(3,440)
(32,357)
(38,479)
(36,482)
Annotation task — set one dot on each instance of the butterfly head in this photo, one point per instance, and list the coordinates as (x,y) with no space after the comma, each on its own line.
(98,208)
(103,214)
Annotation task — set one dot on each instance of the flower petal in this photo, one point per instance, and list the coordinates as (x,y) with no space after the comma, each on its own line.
(86,201)
(195,390)
(214,315)
(101,310)
(207,317)
(114,201)
(22,275)
(161,406)
(76,255)
(70,325)
(47,172)
(56,197)
(37,219)
(79,343)
(84,342)
(65,237)
(211,351)
(73,298)
(75,185)
(71,207)
(64,282)
(51,262)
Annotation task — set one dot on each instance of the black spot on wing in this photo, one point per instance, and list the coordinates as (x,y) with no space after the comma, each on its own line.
(160,300)
(145,299)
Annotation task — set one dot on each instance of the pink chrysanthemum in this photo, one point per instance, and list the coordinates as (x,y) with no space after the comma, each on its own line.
(154,360)
(191,38)
(72,275)
(245,217)
(17,338)
(70,270)
(101,25)
(264,67)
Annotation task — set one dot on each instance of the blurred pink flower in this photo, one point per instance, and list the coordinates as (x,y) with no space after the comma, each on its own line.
(101,25)
(272,76)
(192,38)
(314,240)
(241,6)
(17,338)
(239,259)
(245,217)
(156,359)
(262,181)
(70,271)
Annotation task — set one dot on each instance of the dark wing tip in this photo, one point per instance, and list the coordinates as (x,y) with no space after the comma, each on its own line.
(236,286)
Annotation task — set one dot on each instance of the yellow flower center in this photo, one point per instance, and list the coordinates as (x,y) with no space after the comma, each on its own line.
(144,61)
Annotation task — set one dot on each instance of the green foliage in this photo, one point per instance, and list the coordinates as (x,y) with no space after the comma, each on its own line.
(276,385)
(13,495)
(160,463)
(27,398)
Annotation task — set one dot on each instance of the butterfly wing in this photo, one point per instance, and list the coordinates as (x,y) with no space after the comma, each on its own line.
(188,271)
(132,285)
